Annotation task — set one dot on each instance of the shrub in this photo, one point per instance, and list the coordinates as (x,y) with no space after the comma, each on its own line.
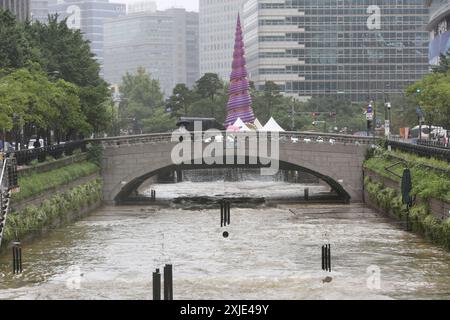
(34,218)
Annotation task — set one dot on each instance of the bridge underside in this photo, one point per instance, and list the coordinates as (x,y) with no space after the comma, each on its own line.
(126,166)
(134,185)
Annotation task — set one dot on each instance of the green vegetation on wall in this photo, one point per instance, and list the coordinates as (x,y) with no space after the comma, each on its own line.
(421,219)
(37,183)
(430,177)
(34,218)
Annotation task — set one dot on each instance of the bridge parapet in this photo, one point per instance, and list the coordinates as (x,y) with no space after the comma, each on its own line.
(284,137)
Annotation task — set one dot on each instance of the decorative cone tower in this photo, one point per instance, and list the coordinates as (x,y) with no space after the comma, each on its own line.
(240,102)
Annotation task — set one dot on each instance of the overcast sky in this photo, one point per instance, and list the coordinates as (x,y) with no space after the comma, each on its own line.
(190,5)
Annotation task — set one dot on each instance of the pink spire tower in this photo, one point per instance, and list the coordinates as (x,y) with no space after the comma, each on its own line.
(240,102)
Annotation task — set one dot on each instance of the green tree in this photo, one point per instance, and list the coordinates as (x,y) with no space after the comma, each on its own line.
(267,102)
(140,95)
(432,93)
(64,52)
(15,49)
(29,100)
(180,101)
(209,86)
(160,121)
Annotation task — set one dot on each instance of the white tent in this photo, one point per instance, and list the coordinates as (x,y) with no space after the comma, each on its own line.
(258,124)
(241,125)
(272,126)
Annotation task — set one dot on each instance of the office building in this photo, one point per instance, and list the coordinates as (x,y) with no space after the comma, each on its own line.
(141,6)
(164,43)
(20,8)
(217,25)
(355,50)
(439,28)
(39,10)
(88,16)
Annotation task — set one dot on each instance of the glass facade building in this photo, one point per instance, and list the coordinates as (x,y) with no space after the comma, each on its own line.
(164,43)
(39,10)
(20,8)
(439,28)
(88,16)
(355,50)
(217,26)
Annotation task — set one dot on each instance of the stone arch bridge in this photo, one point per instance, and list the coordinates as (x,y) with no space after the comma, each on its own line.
(336,159)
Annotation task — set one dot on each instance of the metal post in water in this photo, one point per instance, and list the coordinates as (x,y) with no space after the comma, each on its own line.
(228,213)
(222,208)
(156,285)
(329,257)
(17,258)
(323,257)
(168,282)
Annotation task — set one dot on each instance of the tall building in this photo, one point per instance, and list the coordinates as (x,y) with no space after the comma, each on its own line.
(165,43)
(20,8)
(141,5)
(217,22)
(88,16)
(355,50)
(39,10)
(439,28)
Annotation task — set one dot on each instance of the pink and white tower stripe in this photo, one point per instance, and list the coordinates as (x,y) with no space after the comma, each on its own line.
(240,102)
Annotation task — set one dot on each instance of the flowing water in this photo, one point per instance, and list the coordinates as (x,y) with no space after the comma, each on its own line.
(271,253)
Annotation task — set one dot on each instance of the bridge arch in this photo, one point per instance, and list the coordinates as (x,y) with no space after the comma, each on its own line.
(137,178)
(128,163)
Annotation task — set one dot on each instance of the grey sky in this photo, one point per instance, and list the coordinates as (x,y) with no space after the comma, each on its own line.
(190,5)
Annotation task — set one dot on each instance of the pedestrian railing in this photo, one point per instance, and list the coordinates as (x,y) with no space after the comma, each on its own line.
(283,137)
(434,144)
(422,150)
(8,184)
(25,157)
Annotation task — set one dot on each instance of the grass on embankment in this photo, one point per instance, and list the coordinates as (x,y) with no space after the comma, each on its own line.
(427,183)
(37,183)
(33,219)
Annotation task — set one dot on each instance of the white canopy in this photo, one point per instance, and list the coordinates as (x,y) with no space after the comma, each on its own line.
(272,126)
(258,124)
(241,125)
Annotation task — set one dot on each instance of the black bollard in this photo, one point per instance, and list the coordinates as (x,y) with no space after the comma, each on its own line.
(323,257)
(228,213)
(17,258)
(306,194)
(222,213)
(326,257)
(168,282)
(156,285)
(329,257)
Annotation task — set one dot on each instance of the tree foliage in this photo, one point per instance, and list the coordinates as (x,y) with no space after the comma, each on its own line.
(432,94)
(49,81)
(140,97)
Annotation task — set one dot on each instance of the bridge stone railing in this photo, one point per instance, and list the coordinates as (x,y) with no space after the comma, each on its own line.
(284,137)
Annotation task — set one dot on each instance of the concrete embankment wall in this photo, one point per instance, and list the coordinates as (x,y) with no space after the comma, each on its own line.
(428,217)
(53,207)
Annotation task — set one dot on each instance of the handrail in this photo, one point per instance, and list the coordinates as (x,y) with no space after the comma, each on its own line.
(166,137)
(7,184)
